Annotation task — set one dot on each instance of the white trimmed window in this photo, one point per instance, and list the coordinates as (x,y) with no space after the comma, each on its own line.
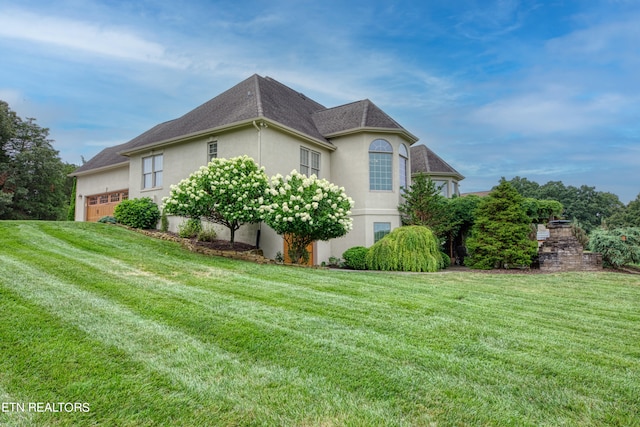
(152,171)
(380,229)
(380,166)
(309,162)
(213,150)
(443,186)
(403,165)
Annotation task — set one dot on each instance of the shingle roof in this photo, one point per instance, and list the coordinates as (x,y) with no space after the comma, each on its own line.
(426,161)
(359,114)
(255,98)
(107,157)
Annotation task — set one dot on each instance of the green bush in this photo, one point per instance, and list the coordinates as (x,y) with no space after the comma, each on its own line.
(355,258)
(137,213)
(190,228)
(207,235)
(409,248)
(618,247)
(446,260)
(107,220)
(164,222)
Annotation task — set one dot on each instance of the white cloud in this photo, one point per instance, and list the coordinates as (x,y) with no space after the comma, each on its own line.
(83,36)
(610,41)
(552,109)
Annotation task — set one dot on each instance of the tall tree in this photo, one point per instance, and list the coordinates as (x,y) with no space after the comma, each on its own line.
(627,217)
(32,176)
(424,205)
(500,234)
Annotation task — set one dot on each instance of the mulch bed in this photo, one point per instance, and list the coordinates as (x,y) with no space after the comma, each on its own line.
(220,245)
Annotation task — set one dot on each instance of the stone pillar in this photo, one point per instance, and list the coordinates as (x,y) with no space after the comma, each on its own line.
(562,251)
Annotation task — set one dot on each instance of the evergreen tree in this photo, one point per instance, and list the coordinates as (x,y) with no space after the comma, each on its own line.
(32,176)
(424,205)
(500,235)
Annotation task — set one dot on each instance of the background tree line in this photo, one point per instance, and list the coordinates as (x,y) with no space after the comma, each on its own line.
(33,179)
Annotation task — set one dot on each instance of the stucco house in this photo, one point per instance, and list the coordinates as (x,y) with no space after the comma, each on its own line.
(357,146)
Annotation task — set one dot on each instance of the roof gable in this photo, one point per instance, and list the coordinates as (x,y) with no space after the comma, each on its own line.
(356,115)
(426,161)
(107,157)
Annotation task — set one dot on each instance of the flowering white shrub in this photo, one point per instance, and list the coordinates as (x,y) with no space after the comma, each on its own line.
(226,191)
(305,209)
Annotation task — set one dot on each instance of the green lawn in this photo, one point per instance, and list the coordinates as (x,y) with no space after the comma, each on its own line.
(146,333)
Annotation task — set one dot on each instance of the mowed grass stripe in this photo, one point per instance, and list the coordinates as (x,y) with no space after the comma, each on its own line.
(45,360)
(262,315)
(201,367)
(454,348)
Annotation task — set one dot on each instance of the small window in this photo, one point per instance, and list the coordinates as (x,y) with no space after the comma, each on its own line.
(104,198)
(380,229)
(380,166)
(442,187)
(309,162)
(115,197)
(152,171)
(93,200)
(213,150)
(403,166)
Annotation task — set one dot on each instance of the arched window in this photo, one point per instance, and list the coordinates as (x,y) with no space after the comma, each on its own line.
(380,166)
(403,166)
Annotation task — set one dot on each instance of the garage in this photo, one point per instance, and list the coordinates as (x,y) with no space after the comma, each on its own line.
(100,205)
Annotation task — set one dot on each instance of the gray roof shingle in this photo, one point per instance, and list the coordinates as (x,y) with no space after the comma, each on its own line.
(254,98)
(359,114)
(426,161)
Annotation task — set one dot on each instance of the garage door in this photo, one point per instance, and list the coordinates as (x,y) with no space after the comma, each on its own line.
(103,204)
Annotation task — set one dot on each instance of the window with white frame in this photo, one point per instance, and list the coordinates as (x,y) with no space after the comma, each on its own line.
(309,162)
(213,150)
(380,229)
(403,166)
(380,166)
(152,171)
(443,187)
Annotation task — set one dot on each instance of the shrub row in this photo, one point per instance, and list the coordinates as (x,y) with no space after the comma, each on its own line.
(408,248)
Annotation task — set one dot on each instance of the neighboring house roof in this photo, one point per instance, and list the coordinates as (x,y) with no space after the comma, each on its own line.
(476,193)
(424,160)
(253,99)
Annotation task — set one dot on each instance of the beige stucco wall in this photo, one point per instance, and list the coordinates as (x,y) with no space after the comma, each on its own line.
(278,152)
(113,179)
(350,169)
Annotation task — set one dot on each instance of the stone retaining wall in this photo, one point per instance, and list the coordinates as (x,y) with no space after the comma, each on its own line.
(253,255)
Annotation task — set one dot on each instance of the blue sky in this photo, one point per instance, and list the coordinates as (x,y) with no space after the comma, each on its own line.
(547,90)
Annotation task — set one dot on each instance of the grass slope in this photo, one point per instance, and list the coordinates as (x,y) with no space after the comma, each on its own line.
(149,334)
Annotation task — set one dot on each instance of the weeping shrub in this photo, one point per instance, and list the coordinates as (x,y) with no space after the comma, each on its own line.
(409,248)
(619,247)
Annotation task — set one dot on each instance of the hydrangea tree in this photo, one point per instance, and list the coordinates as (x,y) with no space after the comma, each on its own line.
(305,209)
(226,191)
